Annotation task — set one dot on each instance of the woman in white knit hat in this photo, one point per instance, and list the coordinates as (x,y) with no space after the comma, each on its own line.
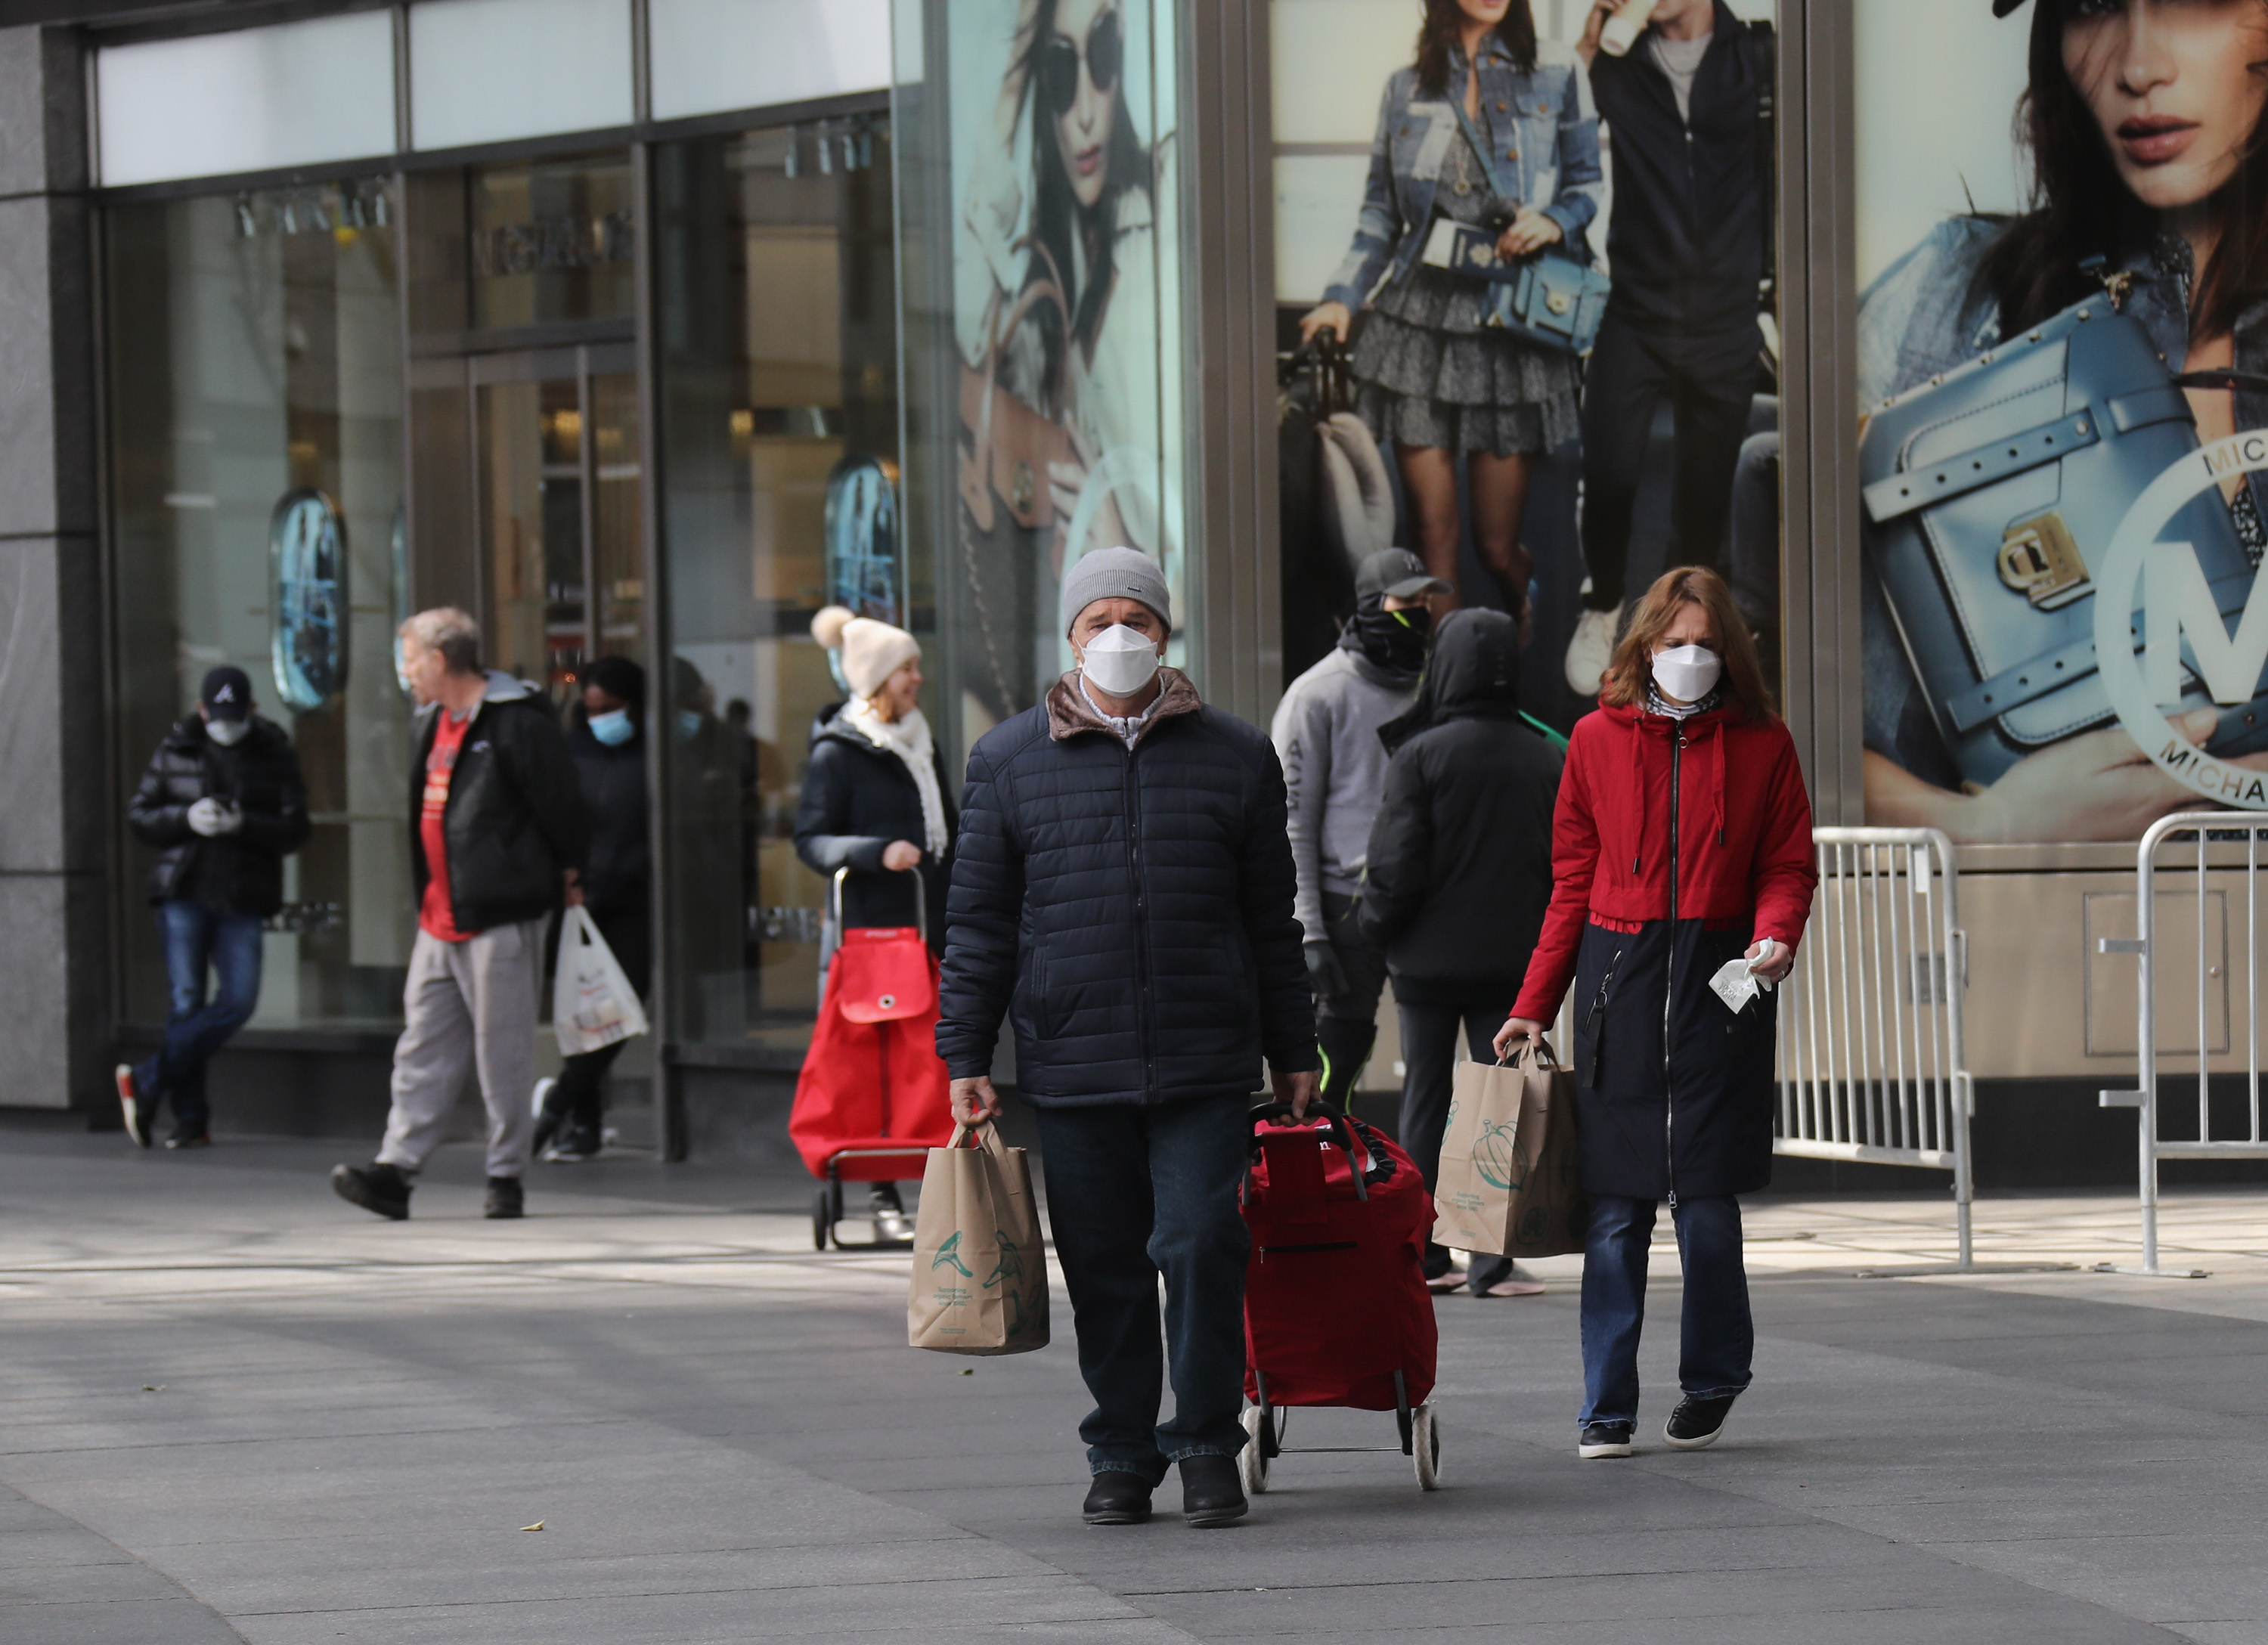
(875,801)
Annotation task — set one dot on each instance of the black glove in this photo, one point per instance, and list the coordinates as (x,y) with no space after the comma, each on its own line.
(1325,975)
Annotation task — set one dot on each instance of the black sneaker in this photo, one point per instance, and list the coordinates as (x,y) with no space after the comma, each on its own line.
(189,1139)
(130,1106)
(1605,1439)
(505,1198)
(579,1144)
(379,1188)
(1211,1495)
(1697,1422)
(1116,1498)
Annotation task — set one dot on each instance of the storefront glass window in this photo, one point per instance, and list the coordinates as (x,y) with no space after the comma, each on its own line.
(1544,469)
(552,241)
(1041,227)
(778,316)
(255,399)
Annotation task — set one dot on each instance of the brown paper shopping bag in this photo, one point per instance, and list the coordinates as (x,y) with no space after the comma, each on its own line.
(1509,1182)
(980,1275)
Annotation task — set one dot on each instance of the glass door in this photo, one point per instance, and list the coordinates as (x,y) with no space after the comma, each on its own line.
(560,493)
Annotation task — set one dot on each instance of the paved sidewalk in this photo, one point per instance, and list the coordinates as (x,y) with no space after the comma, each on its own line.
(235,1409)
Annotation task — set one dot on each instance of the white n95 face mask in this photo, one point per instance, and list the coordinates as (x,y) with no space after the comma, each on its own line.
(1120,661)
(1687,673)
(227,733)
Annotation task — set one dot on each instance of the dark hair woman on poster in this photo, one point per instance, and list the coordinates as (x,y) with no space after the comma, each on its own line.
(1089,362)
(1431,377)
(2144,123)
(1681,843)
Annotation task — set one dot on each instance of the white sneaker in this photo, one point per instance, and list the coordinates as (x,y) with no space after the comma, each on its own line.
(543,1089)
(1591,649)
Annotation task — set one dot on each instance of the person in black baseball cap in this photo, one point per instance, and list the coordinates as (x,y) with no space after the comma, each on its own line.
(1326,734)
(223,802)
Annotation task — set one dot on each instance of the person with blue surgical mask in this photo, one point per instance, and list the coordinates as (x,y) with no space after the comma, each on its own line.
(606,738)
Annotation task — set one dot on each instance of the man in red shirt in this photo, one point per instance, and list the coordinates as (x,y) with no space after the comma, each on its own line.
(498,838)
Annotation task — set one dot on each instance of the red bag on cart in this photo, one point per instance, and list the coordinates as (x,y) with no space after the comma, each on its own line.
(873,1078)
(1334,1297)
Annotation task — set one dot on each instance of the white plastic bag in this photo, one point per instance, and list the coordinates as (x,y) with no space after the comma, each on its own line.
(592,1004)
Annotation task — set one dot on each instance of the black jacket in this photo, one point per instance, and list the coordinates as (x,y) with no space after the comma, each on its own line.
(515,821)
(855,799)
(1459,871)
(617,871)
(1690,238)
(1129,911)
(243,870)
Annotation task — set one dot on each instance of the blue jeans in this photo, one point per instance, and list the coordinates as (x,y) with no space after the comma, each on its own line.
(1718,1339)
(1133,1192)
(196,1029)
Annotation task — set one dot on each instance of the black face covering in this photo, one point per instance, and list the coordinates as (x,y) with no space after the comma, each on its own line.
(1394,640)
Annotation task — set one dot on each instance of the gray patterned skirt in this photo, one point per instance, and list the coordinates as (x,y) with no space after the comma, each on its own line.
(1428,372)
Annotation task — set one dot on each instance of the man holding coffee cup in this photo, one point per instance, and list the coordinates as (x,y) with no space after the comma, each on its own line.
(1685,86)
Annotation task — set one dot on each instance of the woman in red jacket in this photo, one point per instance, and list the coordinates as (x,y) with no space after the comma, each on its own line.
(1682,842)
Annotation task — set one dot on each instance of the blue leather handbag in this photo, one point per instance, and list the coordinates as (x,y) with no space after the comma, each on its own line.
(1552,299)
(1991,494)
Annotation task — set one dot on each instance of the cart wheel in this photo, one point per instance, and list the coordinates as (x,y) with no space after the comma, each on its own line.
(821,1224)
(1252,1461)
(1426,1448)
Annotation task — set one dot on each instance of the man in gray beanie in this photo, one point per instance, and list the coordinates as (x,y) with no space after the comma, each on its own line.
(1122,890)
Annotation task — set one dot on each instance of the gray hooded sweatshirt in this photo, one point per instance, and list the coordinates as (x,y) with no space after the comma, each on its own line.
(1326,735)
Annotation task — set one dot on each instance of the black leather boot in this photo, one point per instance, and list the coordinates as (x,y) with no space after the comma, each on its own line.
(1116,1498)
(1211,1495)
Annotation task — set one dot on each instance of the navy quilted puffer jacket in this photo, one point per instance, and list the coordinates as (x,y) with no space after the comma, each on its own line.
(1129,911)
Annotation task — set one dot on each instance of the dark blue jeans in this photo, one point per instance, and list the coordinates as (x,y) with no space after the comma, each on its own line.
(196,1027)
(1133,1192)
(1717,1337)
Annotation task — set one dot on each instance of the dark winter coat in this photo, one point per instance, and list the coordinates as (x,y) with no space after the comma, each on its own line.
(244,870)
(857,797)
(617,874)
(1689,236)
(1129,911)
(1675,846)
(516,821)
(1460,861)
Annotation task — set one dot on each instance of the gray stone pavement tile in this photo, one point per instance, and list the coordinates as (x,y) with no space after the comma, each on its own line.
(62,1584)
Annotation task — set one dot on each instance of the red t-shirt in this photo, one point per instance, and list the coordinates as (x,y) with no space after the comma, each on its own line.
(434,914)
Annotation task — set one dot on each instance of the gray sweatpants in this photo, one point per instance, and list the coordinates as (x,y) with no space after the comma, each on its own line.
(469,1006)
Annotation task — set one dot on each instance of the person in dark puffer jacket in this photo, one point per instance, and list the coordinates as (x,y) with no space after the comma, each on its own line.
(1123,893)
(1458,875)
(222,801)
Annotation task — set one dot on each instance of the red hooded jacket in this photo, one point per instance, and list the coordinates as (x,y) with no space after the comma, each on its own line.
(1744,836)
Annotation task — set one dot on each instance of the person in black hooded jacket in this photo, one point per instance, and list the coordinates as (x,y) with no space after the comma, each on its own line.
(1458,876)
(223,802)
(606,740)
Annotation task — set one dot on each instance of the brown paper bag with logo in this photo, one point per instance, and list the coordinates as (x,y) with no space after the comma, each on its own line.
(980,1275)
(1509,1182)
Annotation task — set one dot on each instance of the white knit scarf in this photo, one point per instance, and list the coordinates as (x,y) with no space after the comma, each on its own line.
(908,739)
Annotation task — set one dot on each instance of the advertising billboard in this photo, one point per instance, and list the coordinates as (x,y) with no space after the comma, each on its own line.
(2061,334)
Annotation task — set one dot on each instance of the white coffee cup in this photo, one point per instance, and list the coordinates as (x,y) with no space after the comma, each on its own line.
(1624,28)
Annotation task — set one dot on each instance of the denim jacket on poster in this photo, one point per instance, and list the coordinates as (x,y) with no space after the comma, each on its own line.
(1923,316)
(1557,143)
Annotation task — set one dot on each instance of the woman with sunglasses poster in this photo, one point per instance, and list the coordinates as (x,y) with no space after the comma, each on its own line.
(1056,296)
(1519,160)
(2144,126)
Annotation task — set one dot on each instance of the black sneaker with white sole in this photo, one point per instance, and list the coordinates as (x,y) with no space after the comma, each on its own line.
(1604,1439)
(1697,1422)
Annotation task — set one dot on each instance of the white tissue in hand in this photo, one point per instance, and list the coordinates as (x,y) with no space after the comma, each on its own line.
(1737,984)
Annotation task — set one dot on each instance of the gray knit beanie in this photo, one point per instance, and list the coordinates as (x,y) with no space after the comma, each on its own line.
(1115,574)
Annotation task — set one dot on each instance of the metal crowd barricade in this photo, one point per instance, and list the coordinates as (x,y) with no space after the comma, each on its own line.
(1871,1062)
(2223,867)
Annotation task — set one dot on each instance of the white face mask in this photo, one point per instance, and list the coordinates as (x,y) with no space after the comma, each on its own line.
(227,733)
(1687,673)
(1120,661)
